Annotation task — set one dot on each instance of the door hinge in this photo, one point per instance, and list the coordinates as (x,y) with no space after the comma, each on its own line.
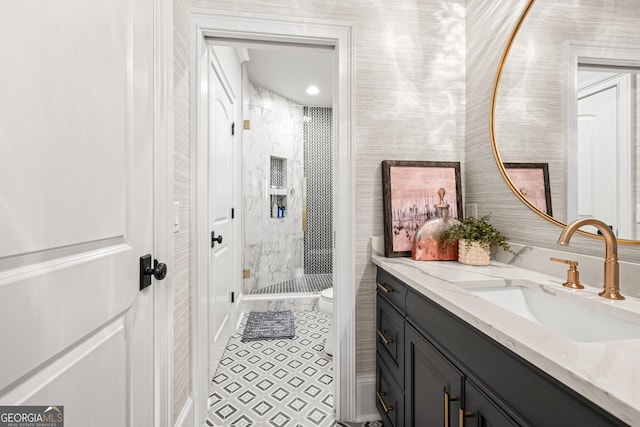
(233,294)
(233,213)
(233,128)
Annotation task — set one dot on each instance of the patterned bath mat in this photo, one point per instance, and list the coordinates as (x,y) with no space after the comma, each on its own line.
(269,325)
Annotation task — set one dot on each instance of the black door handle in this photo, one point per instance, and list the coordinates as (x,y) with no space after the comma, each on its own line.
(215,239)
(159,270)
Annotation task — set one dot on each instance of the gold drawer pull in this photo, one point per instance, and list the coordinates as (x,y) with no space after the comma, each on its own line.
(386,340)
(462,415)
(447,400)
(385,408)
(384,288)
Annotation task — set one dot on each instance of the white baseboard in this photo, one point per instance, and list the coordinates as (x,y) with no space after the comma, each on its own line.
(366,399)
(187,415)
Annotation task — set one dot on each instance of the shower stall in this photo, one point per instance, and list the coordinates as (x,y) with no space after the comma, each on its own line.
(287,187)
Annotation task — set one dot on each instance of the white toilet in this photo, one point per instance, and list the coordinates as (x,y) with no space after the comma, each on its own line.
(325,304)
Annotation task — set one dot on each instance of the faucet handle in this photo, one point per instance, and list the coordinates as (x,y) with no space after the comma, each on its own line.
(573,277)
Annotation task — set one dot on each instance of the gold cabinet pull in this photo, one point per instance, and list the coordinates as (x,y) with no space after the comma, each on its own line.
(386,340)
(462,415)
(385,408)
(384,288)
(447,401)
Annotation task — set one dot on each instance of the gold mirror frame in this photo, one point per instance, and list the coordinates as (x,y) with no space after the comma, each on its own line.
(494,146)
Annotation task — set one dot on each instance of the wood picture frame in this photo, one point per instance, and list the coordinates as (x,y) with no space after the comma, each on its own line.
(532,181)
(410,191)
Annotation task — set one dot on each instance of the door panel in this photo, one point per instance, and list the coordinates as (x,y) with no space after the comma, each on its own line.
(597,146)
(221,99)
(481,411)
(433,386)
(50,91)
(76,208)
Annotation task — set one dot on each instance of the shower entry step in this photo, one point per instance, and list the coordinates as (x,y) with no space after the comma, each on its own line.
(308,283)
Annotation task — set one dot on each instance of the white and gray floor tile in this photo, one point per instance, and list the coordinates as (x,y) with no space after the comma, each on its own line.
(285,382)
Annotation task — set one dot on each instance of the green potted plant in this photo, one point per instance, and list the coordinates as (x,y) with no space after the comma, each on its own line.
(477,240)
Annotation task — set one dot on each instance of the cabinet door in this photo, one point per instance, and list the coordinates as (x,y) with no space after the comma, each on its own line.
(390,399)
(390,336)
(479,410)
(433,386)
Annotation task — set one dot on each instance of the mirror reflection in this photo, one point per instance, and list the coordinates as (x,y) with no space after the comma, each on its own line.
(566,122)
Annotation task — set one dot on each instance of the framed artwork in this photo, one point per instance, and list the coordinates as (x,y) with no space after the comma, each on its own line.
(532,181)
(410,191)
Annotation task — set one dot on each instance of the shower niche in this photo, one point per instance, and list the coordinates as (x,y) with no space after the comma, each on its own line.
(278,187)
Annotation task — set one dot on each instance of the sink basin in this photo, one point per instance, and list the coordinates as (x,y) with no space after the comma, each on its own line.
(575,316)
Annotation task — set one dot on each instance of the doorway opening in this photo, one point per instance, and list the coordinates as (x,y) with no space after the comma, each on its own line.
(338,38)
(287,174)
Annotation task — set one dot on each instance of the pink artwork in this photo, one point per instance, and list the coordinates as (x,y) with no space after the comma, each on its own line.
(410,193)
(532,181)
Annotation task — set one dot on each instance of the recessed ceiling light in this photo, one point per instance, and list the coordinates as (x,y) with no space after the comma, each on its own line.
(312,90)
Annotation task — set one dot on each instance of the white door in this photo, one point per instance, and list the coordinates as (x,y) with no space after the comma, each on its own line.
(221,99)
(76,208)
(603,155)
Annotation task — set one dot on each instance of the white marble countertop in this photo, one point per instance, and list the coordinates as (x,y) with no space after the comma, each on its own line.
(607,373)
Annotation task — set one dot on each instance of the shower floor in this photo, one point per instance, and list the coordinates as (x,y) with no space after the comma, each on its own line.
(308,283)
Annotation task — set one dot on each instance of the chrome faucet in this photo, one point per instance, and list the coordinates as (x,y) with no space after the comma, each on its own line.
(611,275)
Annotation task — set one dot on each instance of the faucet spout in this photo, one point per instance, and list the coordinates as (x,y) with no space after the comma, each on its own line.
(611,269)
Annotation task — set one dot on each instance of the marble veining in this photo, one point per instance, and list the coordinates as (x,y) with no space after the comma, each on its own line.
(605,372)
(273,247)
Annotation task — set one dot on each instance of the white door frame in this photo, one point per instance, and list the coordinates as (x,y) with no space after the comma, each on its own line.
(340,36)
(163,210)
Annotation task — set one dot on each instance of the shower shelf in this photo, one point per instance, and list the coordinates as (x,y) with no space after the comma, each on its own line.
(278,191)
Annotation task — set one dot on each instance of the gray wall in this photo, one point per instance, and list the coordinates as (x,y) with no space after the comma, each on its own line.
(182,193)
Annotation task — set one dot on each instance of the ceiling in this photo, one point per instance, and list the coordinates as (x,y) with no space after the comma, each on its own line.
(289,71)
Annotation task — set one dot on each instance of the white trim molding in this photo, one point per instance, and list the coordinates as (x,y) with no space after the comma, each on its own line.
(186,416)
(366,399)
(335,35)
(163,208)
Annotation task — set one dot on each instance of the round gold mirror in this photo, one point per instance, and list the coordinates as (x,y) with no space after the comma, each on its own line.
(565,119)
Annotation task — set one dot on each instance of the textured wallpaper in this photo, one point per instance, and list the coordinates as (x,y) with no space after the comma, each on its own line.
(182,189)
(409,104)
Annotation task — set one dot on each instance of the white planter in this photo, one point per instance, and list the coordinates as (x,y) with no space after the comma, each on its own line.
(474,254)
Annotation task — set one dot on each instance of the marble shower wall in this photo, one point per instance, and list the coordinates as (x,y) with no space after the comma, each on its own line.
(273,247)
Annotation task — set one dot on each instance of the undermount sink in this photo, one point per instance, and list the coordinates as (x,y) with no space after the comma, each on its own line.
(575,316)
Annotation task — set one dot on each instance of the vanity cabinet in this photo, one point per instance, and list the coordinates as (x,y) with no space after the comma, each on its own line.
(434,369)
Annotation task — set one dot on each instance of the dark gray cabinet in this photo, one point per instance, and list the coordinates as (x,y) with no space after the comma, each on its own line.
(434,369)
(480,410)
(433,386)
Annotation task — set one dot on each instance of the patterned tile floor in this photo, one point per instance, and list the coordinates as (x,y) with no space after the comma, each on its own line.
(278,382)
